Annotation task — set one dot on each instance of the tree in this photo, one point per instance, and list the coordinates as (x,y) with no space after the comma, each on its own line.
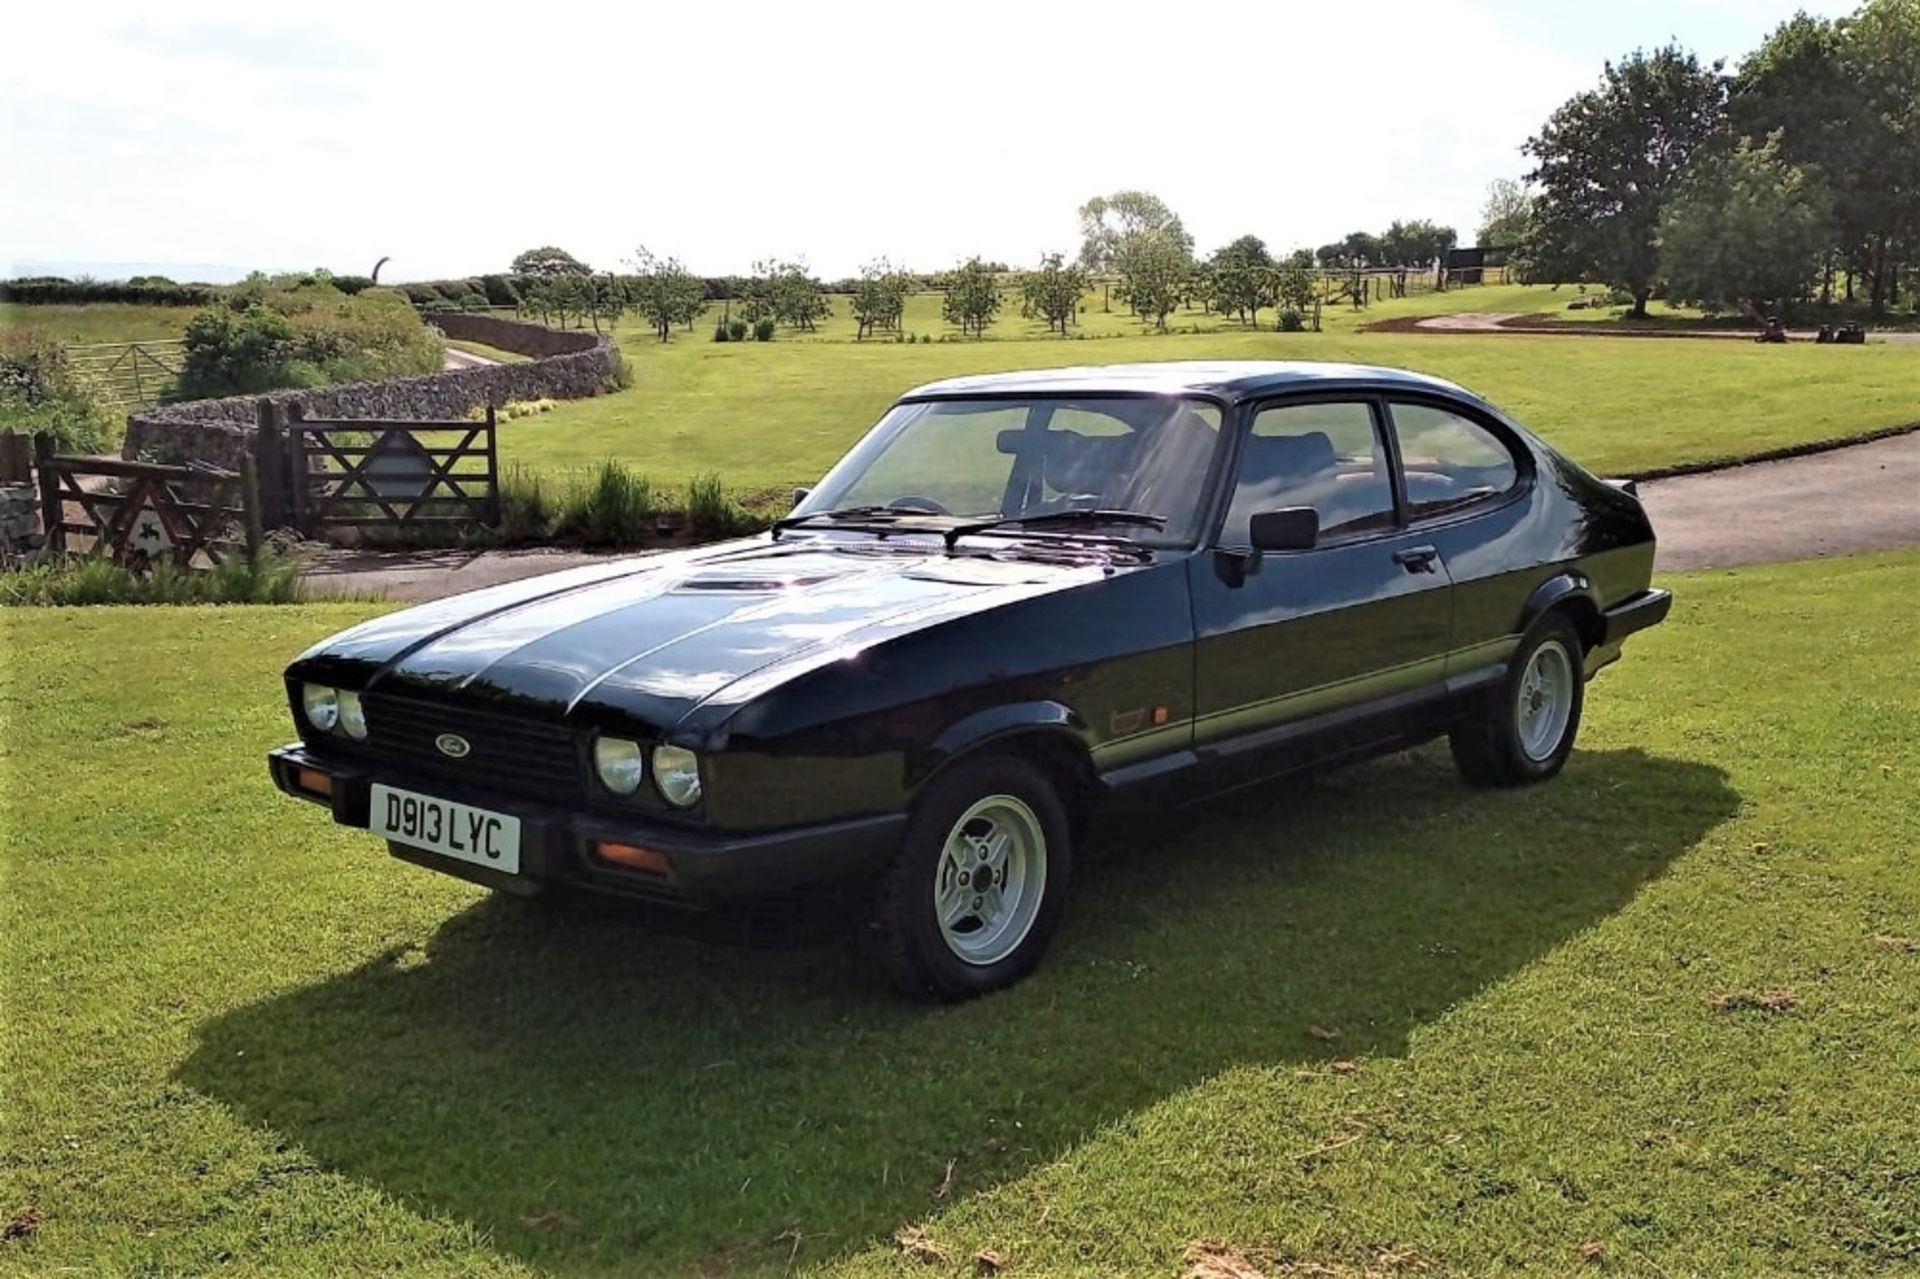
(1107,220)
(1744,230)
(880,297)
(973,295)
(1241,278)
(1507,216)
(1844,96)
(1609,158)
(549,260)
(1053,292)
(665,292)
(1416,243)
(607,299)
(1155,268)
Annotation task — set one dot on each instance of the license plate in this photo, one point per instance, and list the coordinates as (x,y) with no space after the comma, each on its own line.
(441,826)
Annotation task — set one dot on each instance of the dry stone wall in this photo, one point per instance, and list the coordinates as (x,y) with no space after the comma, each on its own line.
(563,366)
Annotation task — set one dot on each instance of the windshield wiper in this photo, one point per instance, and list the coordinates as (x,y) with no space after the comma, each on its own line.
(845,515)
(1074,516)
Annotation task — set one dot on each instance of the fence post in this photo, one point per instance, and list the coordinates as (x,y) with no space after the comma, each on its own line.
(270,471)
(250,501)
(492,511)
(297,466)
(51,508)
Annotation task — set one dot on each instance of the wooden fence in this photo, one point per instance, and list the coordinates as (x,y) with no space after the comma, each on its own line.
(376,474)
(141,514)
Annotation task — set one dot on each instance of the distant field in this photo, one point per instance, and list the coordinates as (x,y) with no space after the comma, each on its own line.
(770,415)
(98,322)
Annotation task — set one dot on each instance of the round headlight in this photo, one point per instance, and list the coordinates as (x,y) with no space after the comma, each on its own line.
(619,763)
(353,717)
(322,706)
(676,771)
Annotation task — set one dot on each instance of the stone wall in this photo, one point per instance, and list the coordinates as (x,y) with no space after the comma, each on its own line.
(565,366)
(19,519)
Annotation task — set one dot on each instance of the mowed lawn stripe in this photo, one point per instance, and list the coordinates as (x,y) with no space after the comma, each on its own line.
(1377,1011)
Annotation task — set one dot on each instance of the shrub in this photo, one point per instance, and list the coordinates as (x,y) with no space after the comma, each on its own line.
(271,577)
(737,330)
(614,508)
(763,329)
(720,332)
(527,511)
(151,290)
(39,391)
(265,339)
(1290,321)
(619,373)
(712,511)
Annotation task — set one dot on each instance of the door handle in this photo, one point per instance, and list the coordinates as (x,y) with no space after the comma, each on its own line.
(1417,559)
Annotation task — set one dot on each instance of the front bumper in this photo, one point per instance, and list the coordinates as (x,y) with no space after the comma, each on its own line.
(556,844)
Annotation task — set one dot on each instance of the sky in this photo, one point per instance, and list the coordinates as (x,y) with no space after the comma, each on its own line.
(203,139)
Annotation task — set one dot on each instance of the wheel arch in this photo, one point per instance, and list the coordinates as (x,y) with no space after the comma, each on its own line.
(1571,594)
(1048,735)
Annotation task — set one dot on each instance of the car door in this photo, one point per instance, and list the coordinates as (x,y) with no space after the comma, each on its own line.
(1291,642)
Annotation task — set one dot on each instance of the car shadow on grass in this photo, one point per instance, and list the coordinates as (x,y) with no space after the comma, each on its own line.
(596,1094)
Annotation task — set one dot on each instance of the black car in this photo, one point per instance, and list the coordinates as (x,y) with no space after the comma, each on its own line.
(1023,601)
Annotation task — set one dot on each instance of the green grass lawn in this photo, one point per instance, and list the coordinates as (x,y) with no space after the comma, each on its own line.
(770,415)
(98,321)
(1375,1012)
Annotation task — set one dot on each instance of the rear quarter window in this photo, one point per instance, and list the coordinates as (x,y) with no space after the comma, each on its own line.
(1450,460)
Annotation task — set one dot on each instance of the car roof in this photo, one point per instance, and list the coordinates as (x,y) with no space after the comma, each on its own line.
(1223,379)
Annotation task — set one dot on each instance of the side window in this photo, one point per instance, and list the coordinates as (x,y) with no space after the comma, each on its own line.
(1449,460)
(1326,456)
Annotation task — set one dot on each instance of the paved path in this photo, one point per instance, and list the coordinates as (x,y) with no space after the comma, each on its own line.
(1865,497)
(455,358)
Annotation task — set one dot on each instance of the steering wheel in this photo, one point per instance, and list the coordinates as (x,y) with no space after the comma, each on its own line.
(918,502)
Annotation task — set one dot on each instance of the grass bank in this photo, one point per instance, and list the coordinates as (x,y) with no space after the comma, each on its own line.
(1667,1006)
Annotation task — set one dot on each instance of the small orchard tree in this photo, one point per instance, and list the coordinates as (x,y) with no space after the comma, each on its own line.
(1053,292)
(879,298)
(549,260)
(973,295)
(1155,268)
(1745,230)
(1240,279)
(665,292)
(797,299)
(607,300)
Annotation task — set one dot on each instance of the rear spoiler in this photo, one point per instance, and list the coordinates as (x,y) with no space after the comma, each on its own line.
(1629,487)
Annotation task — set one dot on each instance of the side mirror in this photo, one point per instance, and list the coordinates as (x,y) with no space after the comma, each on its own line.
(1291,528)
(799,496)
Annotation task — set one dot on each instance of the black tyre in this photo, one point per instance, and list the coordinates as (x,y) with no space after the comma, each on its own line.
(1524,730)
(972,899)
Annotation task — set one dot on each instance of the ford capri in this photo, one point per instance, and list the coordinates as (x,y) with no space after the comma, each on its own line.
(1022,605)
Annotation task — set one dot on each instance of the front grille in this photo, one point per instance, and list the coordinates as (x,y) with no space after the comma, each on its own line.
(508,753)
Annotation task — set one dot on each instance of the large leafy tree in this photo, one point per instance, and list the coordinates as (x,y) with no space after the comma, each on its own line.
(1608,160)
(1106,221)
(665,292)
(1053,292)
(1419,242)
(549,260)
(1845,98)
(1745,230)
(1507,216)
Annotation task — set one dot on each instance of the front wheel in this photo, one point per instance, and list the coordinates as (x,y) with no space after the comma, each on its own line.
(974,894)
(1524,731)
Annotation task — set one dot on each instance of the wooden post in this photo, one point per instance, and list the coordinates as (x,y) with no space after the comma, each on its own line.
(492,512)
(16,458)
(269,450)
(250,502)
(297,466)
(50,505)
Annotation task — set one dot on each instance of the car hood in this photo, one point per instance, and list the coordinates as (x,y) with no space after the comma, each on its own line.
(652,637)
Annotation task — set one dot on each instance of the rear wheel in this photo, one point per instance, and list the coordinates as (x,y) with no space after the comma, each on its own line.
(974,894)
(1524,731)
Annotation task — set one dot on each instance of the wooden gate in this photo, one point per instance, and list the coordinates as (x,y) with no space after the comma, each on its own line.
(139,514)
(390,475)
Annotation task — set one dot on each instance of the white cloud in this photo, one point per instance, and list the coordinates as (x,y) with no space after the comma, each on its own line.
(207,132)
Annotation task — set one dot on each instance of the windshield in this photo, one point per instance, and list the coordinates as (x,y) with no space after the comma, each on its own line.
(1010,458)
